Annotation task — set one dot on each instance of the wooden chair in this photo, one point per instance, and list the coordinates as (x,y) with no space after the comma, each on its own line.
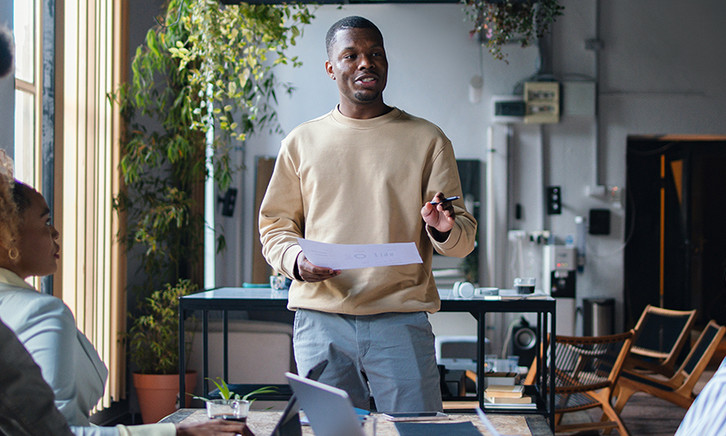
(660,335)
(586,371)
(679,388)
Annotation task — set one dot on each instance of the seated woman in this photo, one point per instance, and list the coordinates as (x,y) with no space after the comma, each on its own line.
(46,326)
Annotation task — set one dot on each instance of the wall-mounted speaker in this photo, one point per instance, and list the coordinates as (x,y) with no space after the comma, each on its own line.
(524,342)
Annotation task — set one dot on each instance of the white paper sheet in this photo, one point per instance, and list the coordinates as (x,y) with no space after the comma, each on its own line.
(350,256)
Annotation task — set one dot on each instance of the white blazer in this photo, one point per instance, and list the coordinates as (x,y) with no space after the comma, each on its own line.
(67,359)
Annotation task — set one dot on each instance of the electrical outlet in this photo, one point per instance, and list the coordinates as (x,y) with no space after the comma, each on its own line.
(554,200)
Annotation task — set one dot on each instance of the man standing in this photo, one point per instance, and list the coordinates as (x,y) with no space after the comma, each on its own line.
(365,173)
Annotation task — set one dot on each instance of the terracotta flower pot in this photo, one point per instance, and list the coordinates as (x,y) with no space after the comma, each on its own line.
(157,394)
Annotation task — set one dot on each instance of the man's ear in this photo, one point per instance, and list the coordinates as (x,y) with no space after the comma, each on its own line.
(329,69)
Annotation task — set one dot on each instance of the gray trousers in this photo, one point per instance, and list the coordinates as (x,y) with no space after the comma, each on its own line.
(389,356)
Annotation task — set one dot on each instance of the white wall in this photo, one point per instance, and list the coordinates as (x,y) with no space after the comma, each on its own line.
(660,71)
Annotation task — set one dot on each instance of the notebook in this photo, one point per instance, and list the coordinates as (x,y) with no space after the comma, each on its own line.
(437,429)
(289,422)
(328,409)
(449,429)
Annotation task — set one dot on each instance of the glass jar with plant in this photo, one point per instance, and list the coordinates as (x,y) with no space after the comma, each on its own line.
(500,22)
(231,406)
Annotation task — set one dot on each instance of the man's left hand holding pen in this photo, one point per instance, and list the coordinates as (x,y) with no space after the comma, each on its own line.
(438,214)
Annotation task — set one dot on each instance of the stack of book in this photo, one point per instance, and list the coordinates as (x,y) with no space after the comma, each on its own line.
(506,396)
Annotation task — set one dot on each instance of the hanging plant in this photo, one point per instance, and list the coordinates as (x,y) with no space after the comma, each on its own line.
(500,22)
(207,67)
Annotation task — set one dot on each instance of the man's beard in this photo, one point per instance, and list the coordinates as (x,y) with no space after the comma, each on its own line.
(365,96)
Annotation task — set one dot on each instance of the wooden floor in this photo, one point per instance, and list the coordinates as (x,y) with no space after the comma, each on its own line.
(643,415)
(648,415)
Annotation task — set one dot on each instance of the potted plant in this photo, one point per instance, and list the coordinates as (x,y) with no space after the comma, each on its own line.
(207,68)
(153,347)
(500,22)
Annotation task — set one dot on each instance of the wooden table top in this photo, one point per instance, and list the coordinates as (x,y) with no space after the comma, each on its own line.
(263,422)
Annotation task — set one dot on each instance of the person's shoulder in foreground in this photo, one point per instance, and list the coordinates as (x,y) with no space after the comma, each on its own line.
(26,401)
(707,415)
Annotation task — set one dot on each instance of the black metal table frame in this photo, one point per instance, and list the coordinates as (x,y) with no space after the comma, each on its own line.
(255,299)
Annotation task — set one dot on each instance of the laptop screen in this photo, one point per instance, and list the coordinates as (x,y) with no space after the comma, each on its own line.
(328,409)
(289,422)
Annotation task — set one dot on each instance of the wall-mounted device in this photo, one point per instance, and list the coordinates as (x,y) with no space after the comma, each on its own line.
(508,109)
(543,102)
(599,221)
(562,266)
(561,260)
(554,200)
(578,98)
(228,201)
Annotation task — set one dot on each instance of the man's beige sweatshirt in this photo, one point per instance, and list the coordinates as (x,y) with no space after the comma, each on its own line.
(350,181)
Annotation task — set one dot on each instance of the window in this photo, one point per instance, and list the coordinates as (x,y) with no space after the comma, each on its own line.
(27,95)
(26,27)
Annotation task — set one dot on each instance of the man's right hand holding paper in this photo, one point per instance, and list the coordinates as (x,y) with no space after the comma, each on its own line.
(307,272)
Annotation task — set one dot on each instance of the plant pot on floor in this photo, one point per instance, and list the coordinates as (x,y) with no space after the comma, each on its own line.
(157,394)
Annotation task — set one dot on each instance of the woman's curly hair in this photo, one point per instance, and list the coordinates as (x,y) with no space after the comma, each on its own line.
(9,216)
(15,197)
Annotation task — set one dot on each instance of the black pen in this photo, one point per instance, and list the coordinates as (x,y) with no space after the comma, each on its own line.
(445,200)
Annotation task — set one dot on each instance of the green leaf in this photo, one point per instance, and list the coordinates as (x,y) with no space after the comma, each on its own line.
(260,391)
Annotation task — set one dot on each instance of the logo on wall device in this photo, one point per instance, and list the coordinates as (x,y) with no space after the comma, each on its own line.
(463,290)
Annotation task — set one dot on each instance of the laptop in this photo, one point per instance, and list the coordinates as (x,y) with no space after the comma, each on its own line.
(289,422)
(329,410)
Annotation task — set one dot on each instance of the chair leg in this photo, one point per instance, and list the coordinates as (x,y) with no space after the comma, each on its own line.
(624,394)
(605,418)
(615,417)
(558,418)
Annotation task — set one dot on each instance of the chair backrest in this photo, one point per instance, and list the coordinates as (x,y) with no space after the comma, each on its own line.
(701,353)
(662,332)
(589,363)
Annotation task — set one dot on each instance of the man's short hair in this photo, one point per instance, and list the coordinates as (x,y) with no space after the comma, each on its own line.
(352,22)
(6,51)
